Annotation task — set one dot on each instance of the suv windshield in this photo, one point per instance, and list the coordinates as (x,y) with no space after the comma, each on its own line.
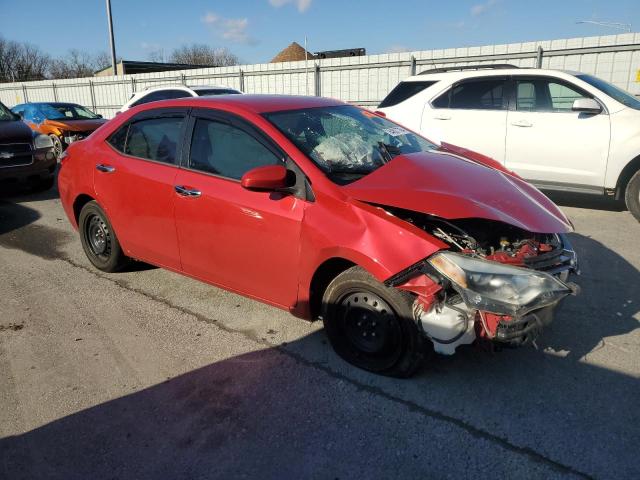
(614,92)
(66,111)
(6,115)
(346,140)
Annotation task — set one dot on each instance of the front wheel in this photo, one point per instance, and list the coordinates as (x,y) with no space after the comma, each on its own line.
(99,241)
(58,148)
(371,325)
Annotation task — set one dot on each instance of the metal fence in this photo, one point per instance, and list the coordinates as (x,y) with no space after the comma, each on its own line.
(360,80)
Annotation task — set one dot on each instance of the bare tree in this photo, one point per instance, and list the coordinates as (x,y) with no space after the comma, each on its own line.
(202,54)
(22,62)
(156,55)
(77,64)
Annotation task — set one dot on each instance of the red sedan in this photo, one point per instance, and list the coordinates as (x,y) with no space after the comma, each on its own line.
(329,211)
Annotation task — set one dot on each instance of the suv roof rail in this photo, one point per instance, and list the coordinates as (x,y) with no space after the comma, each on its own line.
(489,66)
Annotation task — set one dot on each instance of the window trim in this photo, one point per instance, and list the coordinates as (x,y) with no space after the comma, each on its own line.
(170,112)
(513,99)
(505,95)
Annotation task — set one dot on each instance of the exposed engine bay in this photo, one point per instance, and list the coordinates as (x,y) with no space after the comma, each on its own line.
(496,283)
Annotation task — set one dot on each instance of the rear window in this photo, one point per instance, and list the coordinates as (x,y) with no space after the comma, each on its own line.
(403,91)
(216,91)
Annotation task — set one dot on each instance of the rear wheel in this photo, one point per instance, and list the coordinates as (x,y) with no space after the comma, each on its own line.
(371,325)
(632,195)
(99,241)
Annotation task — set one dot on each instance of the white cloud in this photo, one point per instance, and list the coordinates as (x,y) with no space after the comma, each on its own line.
(482,8)
(301,5)
(232,29)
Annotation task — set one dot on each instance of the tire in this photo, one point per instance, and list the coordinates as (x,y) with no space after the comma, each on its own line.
(371,325)
(44,184)
(632,195)
(99,241)
(58,148)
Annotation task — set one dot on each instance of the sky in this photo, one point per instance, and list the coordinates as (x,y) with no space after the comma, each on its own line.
(256,30)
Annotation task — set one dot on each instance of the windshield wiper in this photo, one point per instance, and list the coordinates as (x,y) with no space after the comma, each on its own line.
(388,151)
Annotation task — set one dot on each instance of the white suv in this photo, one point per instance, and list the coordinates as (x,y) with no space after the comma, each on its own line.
(155,94)
(560,130)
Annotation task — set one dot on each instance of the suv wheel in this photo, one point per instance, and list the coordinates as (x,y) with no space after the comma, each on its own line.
(632,195)
(371,325)
(99,241)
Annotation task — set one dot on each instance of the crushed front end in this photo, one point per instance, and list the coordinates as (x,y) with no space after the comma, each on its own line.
(496,283)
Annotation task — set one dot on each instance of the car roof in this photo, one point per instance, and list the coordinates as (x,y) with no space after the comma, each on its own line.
(455,75)
(254,103)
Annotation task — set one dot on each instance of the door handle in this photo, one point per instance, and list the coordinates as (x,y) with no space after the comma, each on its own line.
(187,192)
(522,123)
(442,117)
(101,167)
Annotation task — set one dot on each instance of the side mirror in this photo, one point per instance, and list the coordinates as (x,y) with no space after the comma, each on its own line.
(269,178)
(586,105)
(98,115)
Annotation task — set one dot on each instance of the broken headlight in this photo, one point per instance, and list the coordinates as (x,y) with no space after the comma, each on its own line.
(498,288)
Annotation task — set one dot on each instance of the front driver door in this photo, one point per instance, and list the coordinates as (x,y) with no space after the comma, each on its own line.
(550,144)
(134,178)
(243,240)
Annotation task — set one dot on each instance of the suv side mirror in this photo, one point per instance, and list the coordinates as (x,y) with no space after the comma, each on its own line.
(267,178)
(586,105)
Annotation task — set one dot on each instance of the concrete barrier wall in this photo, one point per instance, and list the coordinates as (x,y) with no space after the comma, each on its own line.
(361,80)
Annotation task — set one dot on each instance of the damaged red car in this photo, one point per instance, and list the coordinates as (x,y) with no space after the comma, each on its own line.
(327,210)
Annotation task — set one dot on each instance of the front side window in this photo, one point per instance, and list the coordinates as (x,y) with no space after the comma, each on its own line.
(344,141)
(154,139)
(544,95)
(485,94)
(223,149)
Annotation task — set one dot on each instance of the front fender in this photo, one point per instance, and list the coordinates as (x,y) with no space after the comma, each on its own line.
(365,235)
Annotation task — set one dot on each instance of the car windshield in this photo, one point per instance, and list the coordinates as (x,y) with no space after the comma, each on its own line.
(346,140)
(216,91)
(6,115)
(66,111)
(614,92)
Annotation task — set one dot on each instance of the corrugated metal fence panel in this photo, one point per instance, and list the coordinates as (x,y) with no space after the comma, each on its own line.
(361,80)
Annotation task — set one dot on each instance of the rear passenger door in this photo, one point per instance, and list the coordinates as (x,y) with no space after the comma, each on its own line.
(134,178)
(471,114)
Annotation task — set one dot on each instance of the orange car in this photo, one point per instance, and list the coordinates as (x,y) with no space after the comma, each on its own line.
(65,123)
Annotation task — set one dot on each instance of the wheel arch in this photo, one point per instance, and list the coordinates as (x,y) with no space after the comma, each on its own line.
(322,277)
(79,202)
(625,175)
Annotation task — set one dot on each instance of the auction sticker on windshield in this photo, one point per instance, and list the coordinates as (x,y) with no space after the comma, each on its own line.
(396,131)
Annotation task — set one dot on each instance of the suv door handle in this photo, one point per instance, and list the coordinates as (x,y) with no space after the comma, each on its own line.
(187,192)
(522,123)
(101,167)
(442,117)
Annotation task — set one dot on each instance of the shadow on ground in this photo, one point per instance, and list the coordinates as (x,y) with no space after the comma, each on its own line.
(582,200)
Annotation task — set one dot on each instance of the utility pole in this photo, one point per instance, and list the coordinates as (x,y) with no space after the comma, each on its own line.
(111,40)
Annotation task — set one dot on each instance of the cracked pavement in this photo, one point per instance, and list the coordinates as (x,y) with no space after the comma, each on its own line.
(148,374)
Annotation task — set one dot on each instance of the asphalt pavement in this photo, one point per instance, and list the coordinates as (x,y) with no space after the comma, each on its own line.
(150,375)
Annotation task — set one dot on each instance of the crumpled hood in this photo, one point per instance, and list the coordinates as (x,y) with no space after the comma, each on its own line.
(451,187)
(88,125)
